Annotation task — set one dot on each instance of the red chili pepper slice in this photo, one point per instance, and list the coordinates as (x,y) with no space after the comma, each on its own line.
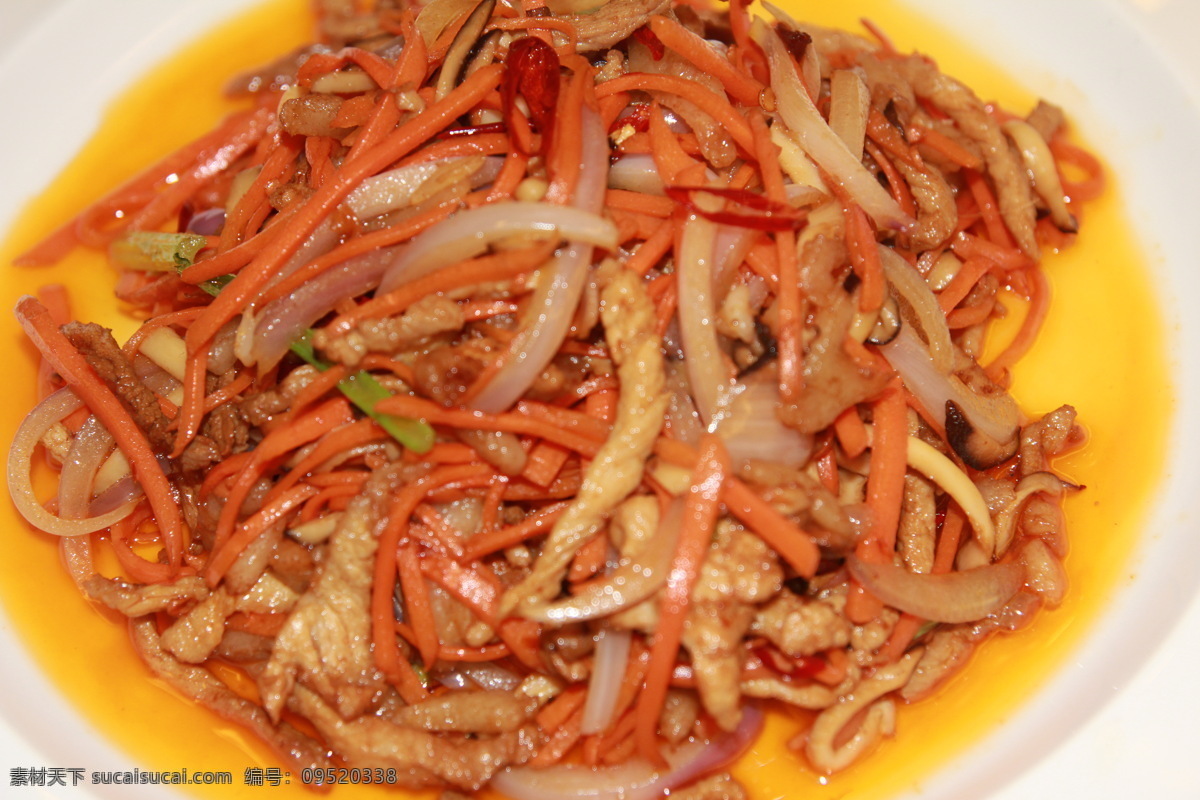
(531,72)
(761,213)
(638,118)
(652,42)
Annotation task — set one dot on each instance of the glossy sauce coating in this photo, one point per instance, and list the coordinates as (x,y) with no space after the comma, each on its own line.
(1102,277)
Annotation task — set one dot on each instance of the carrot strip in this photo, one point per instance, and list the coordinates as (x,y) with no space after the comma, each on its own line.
(434,414)
(962,283)
(790,306)
(479,589)
(701,508)
(336,441)
(666,302)
(589,559)
(947,545)
(237,226)
(485,269)
(738,84)
(889,140)
(537,23)
(793,545)
(889,462)
(446,453)
(971,315)
(561,741)
(966,247)
(413,62)
(136,567)
(997,230)
(652,250)
(256,622)
(653,205)
(1092,186)
(417,604)
(191,413)
(602,405)
(864,256)
(544,462)
(321,385)
(586,423)
(672,161)
(1035,317)
(487,652)
(387,653)
(281,441)
(552,715)
(901,637)
(488,542)
(249,282)
(851,432)
(563,160)
(897,185)
(41,329)
(232,260)
(276,511)
(713,104)
(946,147)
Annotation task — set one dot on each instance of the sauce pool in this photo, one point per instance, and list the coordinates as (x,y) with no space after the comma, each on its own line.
(87,654)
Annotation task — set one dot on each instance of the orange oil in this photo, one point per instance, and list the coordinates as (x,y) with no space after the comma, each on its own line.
(1103,276)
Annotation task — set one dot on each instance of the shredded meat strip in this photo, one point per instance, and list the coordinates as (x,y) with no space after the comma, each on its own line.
(832,379)
(802,626)
(193,636)
(200,686)
(104,355)
(325,643)
(738,573)
(135,600)
(420,758)
(484,711)
(1014,194)
(427,317)
(613,22)
(628,317)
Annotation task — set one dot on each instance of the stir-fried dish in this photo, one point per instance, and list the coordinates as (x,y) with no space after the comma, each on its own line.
(531,395)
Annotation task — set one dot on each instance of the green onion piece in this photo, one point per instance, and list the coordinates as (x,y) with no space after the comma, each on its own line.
(364,391)
(214,286)
(361,388)
(928,627)
(153,251)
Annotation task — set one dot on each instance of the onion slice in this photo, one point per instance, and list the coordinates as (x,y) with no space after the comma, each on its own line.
(634,580)
(468,233)
(604,683)
(266,336)
(77,480)
(633,780)
(20,471)
(557,296)
(752,430)
(922,307)
(991,423)
(814,136)
(963,596)
(708,370)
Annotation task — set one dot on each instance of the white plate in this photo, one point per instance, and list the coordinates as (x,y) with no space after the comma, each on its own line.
(1115,722)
